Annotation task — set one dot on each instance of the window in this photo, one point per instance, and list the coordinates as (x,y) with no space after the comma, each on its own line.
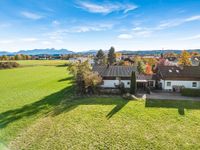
(194,84)
(168,83)
(128,83)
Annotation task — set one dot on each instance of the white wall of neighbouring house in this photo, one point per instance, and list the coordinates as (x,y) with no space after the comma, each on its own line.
(111,83)
(186,84)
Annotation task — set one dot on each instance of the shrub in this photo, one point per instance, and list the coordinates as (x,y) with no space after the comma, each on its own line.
(8,65)
(190,92)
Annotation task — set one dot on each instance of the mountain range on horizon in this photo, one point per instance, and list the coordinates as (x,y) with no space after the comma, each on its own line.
(53,51)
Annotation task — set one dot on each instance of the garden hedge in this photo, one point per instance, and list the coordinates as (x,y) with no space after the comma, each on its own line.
(8,65)
(190,92)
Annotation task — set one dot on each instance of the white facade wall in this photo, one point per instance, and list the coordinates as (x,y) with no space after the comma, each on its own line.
(127,83)
(186,84)
(111,83)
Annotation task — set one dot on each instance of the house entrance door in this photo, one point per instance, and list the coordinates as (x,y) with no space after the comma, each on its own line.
(141,86)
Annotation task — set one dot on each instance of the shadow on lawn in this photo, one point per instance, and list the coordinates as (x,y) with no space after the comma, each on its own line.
(66,79)
(179,104)
(35,108)
(56,104)
(69,105)
(62,65)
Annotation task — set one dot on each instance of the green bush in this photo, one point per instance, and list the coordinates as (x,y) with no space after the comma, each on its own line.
(190,92)
(8,65)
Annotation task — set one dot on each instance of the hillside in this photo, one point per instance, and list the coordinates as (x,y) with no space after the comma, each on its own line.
(91,52)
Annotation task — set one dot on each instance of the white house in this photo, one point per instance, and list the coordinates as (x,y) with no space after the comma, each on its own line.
(195,60)
(114,75)
(173,78)
(81,59)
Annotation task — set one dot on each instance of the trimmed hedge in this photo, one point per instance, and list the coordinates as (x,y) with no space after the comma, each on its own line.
(190,92)
(8,65)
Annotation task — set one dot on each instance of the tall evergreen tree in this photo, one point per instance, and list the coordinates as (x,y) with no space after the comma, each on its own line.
(111,56)
(133,87)
(100,57)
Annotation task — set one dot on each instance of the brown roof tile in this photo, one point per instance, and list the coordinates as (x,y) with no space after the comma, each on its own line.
(174,72)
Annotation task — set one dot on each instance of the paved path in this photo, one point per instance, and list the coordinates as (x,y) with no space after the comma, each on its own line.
(169,96)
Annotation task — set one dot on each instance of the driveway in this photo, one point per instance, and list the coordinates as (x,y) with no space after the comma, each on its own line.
(169,96)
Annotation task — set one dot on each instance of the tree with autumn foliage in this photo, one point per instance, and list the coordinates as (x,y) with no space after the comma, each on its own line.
(184,59)
(86,81)
(148,69)
(141,67)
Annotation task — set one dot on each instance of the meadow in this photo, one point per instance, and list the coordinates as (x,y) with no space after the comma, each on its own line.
(30,63)
(38,112)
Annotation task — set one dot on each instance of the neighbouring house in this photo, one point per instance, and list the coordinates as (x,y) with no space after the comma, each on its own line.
(150,56)
(118,56)
(173,78)
(172,60)
(114,75)
(56,57)
(124,56)
(195,60)
(81,59)
(129,61)
(42,57)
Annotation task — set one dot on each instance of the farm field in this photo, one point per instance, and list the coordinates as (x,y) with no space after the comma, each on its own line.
(39,62)
(37,112)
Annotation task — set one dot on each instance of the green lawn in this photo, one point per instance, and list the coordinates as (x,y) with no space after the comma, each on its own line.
(37,113)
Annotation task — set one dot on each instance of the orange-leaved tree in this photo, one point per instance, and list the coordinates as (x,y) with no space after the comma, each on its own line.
(148,69)
(184,59)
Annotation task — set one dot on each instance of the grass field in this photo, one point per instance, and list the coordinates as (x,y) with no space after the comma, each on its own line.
(25,63)
(37,113)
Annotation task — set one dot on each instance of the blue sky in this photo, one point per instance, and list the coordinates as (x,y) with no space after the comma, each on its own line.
(83,25)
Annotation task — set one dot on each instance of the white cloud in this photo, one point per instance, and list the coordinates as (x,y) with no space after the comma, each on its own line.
(137,29)
(55,22)
(106,8)
(90,28)
(60,33)
(46,42)
(6,41)
(31,15)
(193,18)
(29,39)
(177,22)
(125,36)
(147,31)
(143,33)
(195,37)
